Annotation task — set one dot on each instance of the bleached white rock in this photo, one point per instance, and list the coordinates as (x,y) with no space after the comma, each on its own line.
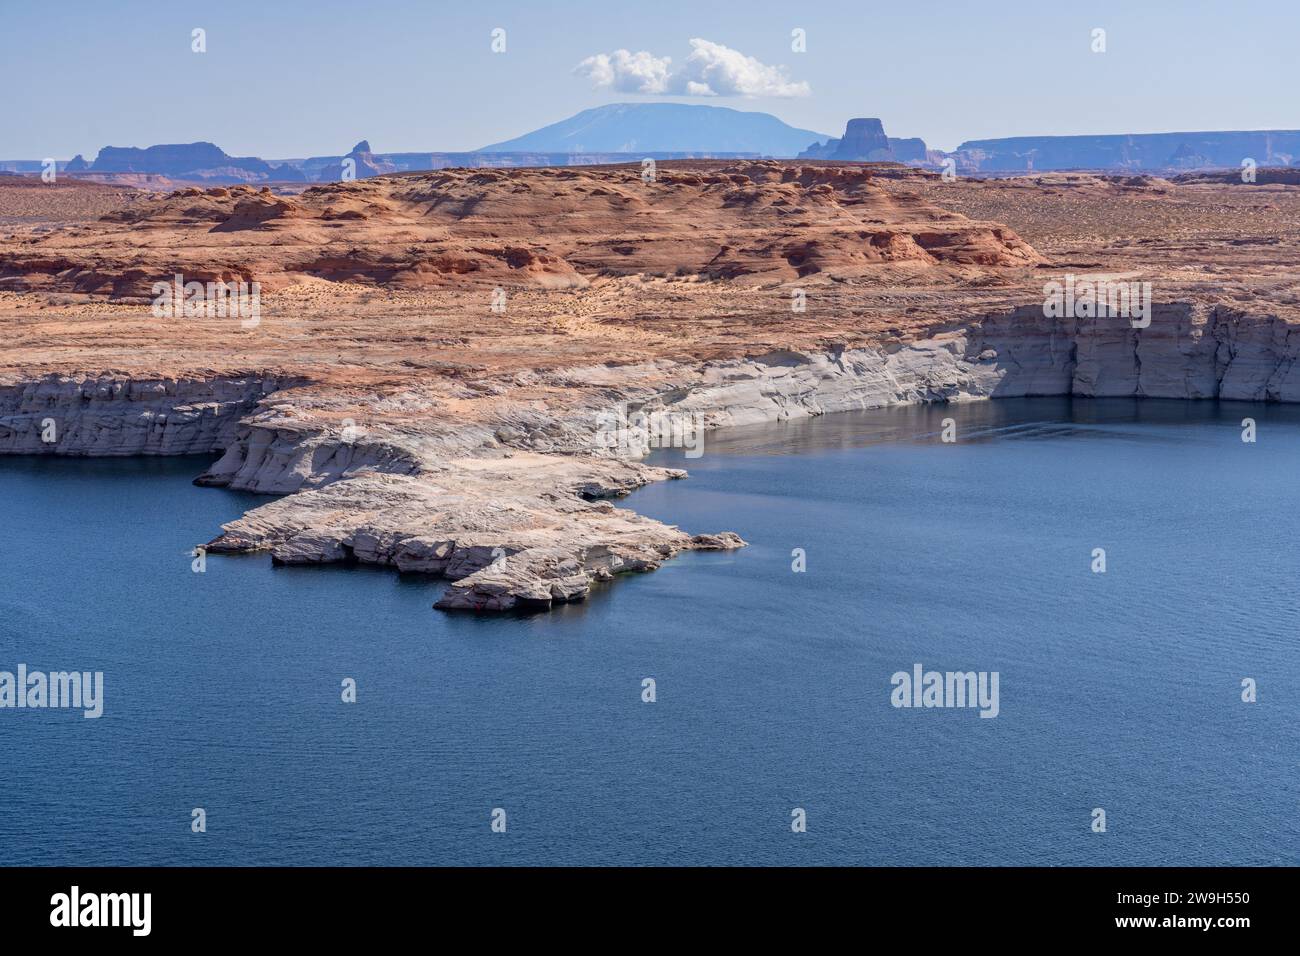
(504,508)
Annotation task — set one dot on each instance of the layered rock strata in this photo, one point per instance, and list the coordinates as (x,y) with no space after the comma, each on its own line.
(515,527)
(415,419)
(747,222)
(114,416)
(516,517)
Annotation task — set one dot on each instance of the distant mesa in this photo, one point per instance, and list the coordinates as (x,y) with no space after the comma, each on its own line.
(864,140)
(204,162)
(630,132)
(1131,152)
(912,150)
(363,164)
(620,133)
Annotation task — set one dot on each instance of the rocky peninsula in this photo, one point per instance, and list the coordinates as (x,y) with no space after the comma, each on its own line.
(453,373)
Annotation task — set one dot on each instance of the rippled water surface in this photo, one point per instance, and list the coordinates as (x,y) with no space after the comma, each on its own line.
(1119,690)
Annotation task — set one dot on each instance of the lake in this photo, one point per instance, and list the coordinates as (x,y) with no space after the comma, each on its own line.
(1119,691)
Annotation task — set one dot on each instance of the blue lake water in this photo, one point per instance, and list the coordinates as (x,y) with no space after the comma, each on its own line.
(1119,690)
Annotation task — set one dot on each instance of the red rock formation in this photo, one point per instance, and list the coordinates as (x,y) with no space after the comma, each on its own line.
(756,222)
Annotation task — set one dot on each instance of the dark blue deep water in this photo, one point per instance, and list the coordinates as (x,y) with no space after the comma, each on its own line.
(1119,690)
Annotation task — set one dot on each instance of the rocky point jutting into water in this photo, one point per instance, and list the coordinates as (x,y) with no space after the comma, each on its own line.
(453,373)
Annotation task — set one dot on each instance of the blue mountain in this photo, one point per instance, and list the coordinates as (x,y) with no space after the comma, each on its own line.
(663,128)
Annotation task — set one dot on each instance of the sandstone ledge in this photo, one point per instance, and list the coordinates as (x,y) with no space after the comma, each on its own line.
(514,531)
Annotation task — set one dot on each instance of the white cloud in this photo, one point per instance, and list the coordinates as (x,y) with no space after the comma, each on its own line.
(726,72)
(710,69)
(627,72)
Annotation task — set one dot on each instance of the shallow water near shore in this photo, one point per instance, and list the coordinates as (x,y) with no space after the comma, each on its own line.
(1119,690)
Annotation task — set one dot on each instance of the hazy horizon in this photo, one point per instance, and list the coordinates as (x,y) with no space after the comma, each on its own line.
(90,156)
(307,80)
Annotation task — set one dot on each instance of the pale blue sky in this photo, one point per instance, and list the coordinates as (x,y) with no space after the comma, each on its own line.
(284,78)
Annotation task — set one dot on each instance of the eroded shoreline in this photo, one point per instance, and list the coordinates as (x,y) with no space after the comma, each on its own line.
(509,503)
